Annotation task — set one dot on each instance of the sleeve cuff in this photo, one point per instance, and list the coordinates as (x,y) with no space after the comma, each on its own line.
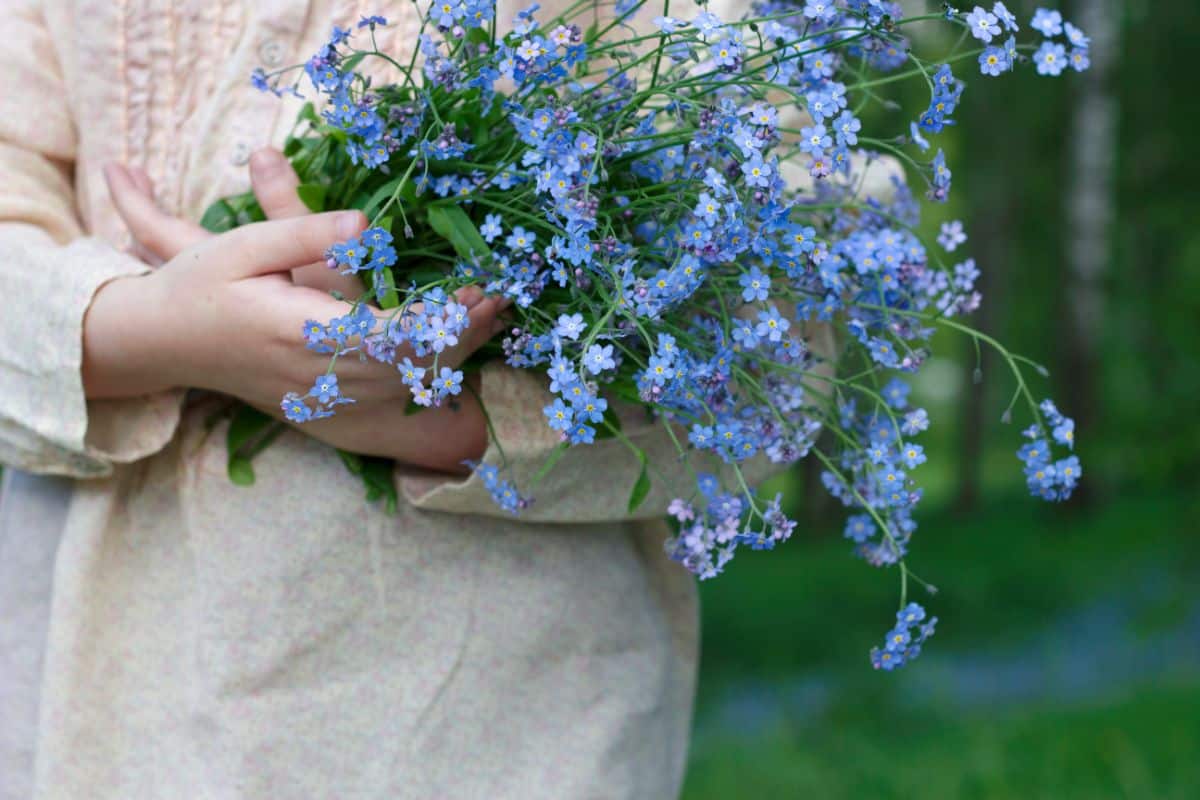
(46,423)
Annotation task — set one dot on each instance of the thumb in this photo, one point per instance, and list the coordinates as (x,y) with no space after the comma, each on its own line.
(274,183)
(282,245)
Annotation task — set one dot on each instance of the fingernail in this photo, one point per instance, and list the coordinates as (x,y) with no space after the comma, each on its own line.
(112,170)
(348,223)
(266,162)
(469,296)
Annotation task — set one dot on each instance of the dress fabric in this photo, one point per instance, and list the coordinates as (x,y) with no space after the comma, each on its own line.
(284,640)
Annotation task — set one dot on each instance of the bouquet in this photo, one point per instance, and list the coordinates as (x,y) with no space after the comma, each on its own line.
(677,208)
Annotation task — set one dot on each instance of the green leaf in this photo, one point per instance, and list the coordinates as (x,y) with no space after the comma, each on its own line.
(641,487)
(292,146)
(376,474)
(246,425)
(353,461)
(313,196)
(479,36)
(241,472)
(308,113)
(391,298)
(381,195)
(219,217)
(453,225)
(378,479)
(353,61)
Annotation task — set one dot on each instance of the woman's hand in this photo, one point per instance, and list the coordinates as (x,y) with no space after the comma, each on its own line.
(223,313)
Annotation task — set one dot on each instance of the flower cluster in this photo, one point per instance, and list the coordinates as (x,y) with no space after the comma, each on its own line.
(903,642)
(1051,58)
(1048,478)
(679,220)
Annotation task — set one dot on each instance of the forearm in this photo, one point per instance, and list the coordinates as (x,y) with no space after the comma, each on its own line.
(121,342)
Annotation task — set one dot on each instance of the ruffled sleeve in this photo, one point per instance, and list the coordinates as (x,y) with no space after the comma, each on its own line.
(49,272)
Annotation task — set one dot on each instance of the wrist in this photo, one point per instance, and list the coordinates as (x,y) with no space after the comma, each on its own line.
(122,341)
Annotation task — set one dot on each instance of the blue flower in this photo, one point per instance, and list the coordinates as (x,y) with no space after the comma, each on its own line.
(860,528)
(295,409)
(1069,471)
(911,614)
(562,373)
(982,24)
(449,381)
(325,388)
(314,336)
(349,254)
(410,373)
(755,285)
(581,433)
(599,358)
(846,128)
(490,228)
(589,408)
(757,171)
(951,235)
(559,415)
(815,139)
(884,352)
(1005,16)
(376,237)
(772,325)
(912,455)
(520,240)
(993,61)
(1035,452)
(439,336)
(570,326)
(745,334)
(1051,59)
(895,393)
(915,422)
(1048,23)
(1076,37)
(726,51)
(1064,432)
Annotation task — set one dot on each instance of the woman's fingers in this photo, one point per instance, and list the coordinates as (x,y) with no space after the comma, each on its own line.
(282,245)
(158,232)
(274,183)
(141,179)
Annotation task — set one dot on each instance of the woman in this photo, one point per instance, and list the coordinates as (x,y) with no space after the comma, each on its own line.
(284,640)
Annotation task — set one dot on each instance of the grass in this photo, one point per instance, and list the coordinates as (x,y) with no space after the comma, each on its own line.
(1143,745)
(1062,666)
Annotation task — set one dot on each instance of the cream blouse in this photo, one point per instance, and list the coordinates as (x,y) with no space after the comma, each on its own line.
(285,640)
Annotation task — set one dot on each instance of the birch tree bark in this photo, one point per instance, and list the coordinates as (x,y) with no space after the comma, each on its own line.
(1090,210)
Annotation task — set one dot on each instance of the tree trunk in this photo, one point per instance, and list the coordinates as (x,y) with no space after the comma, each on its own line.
(1090,210)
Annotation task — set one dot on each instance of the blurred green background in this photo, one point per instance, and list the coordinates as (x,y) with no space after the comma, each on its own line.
(1067,659)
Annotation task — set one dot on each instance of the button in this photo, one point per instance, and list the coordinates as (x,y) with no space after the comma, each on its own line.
(271,52)
(241,154)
